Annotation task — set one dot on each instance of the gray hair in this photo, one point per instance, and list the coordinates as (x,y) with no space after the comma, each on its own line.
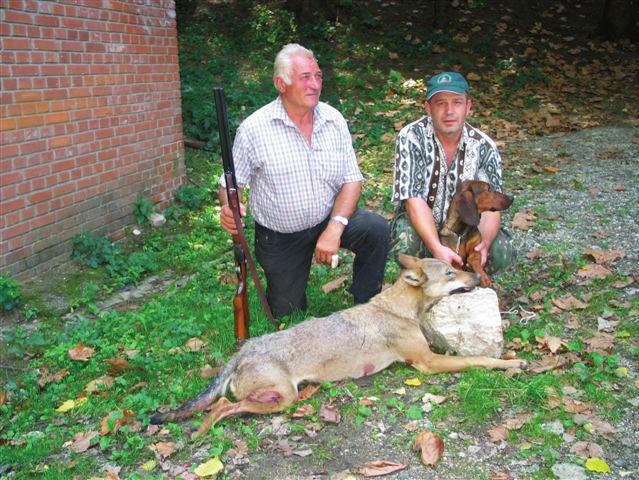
(283,65)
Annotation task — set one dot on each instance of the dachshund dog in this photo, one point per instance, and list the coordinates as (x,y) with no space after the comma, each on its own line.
(460,232)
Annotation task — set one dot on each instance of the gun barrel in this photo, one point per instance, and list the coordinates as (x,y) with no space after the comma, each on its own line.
(223,128)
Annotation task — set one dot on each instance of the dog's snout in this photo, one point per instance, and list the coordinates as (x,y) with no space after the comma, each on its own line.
(510,199)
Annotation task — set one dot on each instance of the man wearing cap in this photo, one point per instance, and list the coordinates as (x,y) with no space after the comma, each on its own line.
(434,154)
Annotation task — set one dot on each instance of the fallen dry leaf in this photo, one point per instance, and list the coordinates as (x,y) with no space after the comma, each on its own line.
(431,446)
(308,392)
(546,363)
(81,441)
(501,475)
(623,283)
(81,352)
(620,187)
(163,449)
(329,414)
(568,302)
(105,428)
(101,383)
(552,343)
(302,411)
(575,406)
(551,169)
(600,341)
(599,425)
(518,421)
(194,344)
(4,398)
(207,371)
(587,449)
(498,433)
(118,364)
(334,284)
(45,378)
(604,257)
(367,401)
(524,220)
(534,254)
(593,271)
(379,468)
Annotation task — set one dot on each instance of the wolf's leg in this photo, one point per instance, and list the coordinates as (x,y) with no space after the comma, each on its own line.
(261,401)
(434,363)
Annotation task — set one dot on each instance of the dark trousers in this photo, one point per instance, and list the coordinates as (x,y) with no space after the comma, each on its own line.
(286,259)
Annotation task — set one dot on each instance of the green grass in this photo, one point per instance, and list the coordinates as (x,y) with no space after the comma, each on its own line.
(375,93)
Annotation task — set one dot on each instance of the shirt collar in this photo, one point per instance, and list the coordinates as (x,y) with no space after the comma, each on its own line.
(321,115)
(430,131)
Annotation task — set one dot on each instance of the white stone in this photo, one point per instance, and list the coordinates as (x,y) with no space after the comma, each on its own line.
(466,324)
(569,471)
(157,219)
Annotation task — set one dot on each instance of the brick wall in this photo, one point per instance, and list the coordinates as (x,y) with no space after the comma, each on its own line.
(90,121)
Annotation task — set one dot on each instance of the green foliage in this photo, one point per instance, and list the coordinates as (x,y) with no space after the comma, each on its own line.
(142,211)
(94,251)
(10,296)
(191,197)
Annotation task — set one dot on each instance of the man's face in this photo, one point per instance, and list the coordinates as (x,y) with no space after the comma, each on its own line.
(306,83)
(449,111)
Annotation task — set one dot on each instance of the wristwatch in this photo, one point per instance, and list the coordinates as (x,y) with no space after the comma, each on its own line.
(340,219)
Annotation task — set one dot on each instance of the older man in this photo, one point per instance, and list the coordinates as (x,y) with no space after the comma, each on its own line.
(296,156)
(434,154)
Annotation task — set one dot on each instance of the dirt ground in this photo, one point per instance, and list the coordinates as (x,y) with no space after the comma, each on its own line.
(592,200)
(589,198)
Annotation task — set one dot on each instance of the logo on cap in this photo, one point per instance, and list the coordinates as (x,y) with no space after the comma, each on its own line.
(444,78)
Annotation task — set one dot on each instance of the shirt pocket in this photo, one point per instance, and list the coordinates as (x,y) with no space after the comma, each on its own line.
(330,167)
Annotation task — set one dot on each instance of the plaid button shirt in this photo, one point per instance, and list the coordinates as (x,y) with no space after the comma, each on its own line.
(292,184)
(417,149)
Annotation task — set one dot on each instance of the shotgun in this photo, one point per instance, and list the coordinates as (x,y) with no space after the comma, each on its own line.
(243,260)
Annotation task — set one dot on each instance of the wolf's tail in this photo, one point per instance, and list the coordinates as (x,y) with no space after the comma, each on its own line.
(214,391)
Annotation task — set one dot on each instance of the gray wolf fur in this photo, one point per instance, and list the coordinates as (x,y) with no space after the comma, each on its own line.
(264,374)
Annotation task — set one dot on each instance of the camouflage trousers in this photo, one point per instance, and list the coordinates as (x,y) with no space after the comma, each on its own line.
(404,239)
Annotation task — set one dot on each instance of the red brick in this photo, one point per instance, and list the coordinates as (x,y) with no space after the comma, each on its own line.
(15,231)
(32,147)
(12,205)
(57,117)
(15,43)
(58,142)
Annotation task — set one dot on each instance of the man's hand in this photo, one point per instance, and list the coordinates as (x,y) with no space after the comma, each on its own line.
(447,255)
(482,248)
(328,242)
(226,218)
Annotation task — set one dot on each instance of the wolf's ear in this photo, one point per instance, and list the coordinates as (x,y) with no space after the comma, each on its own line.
(407,261)
(467,208)
(414,277)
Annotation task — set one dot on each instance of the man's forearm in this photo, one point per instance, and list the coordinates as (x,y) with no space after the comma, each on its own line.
(489,227)
(346,200)
(421,216)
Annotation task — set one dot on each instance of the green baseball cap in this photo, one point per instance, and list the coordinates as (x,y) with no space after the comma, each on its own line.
(446,82)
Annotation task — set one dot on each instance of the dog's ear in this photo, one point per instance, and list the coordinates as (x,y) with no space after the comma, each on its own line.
(407,261)
(467,208)
(414,277)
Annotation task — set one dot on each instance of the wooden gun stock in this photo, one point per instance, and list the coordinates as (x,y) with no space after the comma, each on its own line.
(242,256)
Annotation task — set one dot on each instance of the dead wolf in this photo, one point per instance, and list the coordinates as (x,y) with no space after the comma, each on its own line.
(264,374)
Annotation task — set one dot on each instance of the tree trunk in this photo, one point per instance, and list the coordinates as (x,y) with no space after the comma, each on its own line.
(440,17)
(619,20)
